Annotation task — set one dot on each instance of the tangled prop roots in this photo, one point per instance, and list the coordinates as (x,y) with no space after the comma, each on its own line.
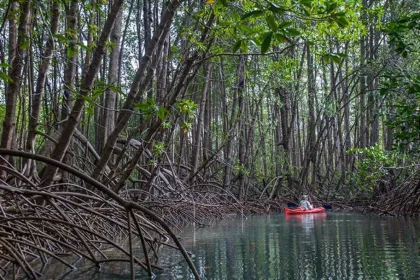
(39,223)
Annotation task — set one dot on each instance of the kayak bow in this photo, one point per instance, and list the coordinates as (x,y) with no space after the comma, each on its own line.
(300,210)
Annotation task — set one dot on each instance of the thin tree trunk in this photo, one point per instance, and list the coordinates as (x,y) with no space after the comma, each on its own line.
(108,118)
(231,129)
(40,84)
(71,59)
(363,133)
(200,121)
(310,153)
(17,53)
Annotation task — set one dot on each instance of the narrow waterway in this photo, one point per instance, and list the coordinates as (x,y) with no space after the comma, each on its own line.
(313,246)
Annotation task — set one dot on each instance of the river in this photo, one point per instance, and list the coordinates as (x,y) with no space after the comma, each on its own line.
(312,246)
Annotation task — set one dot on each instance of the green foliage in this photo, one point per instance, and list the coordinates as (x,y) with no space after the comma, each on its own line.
(149,108)
(240,168)
(405,93)
(268,24)
(158,148)
(334,57)
(3,75)
(399,33)
(186,107)
(401,85)
(371,166)
(266,42)
(2,115)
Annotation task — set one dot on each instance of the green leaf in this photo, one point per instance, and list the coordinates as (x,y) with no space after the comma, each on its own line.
(142,107)
(70,52)
(306,12)
(342,55)
(86,48)
(342,21)
(340,14)
(307,3)
(285,24)
(335,59)
(5,77)
(271,22)
(24,45)
(224,2)
(89,110)
(331,7)
(60,37)
(162,113)
(331,58)
(252,14)
(292,32)
(266,43)
(281,38)
(276,8)
(236,46)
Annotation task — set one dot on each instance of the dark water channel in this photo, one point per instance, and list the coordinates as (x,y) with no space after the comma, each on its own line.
(314,246)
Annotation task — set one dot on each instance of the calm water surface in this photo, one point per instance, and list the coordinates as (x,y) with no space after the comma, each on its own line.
(313,246)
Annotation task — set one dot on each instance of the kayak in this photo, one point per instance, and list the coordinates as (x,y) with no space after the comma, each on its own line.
(300,210)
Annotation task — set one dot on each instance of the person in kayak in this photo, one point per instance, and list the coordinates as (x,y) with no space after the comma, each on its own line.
(305,204)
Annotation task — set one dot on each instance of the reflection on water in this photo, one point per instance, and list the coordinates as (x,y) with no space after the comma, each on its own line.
(307,221)
(311,246)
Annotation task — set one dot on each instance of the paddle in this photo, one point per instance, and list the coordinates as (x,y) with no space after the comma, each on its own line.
(327,206)
(292,205)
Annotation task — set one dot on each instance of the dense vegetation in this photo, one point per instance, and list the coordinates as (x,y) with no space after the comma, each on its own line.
(124,116)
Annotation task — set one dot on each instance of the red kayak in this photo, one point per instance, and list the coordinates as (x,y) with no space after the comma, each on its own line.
(300,210)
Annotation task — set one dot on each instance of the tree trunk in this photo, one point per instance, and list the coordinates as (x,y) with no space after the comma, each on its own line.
(310,152)
(40,84)
(200,120)
(363,133)
(231,129)
(71,59)
(108,118)
(17,53)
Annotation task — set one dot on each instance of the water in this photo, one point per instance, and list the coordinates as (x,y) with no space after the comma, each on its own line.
(312,246)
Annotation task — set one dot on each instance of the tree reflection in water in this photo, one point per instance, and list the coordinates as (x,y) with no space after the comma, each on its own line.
(311,246)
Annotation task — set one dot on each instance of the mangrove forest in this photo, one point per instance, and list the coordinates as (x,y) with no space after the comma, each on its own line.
(125,121)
